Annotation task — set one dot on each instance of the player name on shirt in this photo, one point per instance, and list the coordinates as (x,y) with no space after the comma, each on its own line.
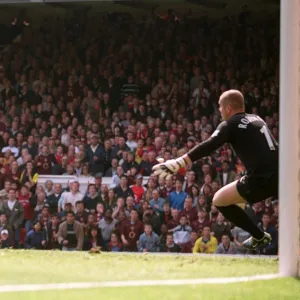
(250,139)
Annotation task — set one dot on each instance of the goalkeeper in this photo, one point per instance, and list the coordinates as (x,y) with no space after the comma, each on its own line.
(253,143)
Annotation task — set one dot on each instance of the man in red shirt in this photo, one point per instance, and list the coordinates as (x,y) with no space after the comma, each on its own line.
(44,162)
(138,189)
(175,220)
(131,231)
(24,198)
(189,211)
(202,222)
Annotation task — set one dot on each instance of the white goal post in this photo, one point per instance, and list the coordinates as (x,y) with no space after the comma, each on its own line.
(289,149)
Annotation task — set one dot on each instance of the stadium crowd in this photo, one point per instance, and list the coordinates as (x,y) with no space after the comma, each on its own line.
(107,98)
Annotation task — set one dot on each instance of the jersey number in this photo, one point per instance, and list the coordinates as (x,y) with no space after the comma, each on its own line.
(264,130)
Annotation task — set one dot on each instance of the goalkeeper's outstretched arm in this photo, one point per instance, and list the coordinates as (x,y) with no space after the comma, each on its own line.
(217,139)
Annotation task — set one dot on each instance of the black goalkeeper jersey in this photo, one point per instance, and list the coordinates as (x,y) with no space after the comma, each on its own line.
(250,139)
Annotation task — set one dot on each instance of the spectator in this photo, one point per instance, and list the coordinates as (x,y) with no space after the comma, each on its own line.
(274,218)
(95,239)
(25,199)
(188,247)
(3,221)
(81,215)
(239,236)
(95,156)
(107,225)
(213,214)
(165,215)
(131,143)
(150,217)
(201,222)
(220,228)
(181,233)
(63,214)
(226,246)
(271,249)
(225,176)
(52,199)
(115,245)
(156,202)
(4,193)
(36,237)
(138,189)
(44,162)
(70,234)
(131,232)
(15,215)
(163,235)
(268,207)
(40,203)
(116,178)
(174,221)
(170,246)
(207,243)
(99,212)
(112,171)
(52,230)
(129,205)
(189,211)
(177,197)
(123,190)
(29,176)
(48,188)
(11,147)
(111,200)
(92,199)
(71,197)
(4,239)
(148,241)
(190,182)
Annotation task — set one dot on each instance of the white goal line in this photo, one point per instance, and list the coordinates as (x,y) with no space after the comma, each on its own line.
(131,283)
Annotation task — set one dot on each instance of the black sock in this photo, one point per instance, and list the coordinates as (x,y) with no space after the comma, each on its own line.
(239,217)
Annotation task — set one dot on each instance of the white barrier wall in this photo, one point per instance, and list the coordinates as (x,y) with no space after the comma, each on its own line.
(83,181)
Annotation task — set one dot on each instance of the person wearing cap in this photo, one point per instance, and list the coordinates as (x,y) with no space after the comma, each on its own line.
(4,239)
(4,225)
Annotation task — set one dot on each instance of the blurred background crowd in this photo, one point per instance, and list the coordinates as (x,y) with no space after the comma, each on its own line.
(106,98)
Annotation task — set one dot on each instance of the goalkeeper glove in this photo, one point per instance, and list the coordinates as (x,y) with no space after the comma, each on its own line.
(169,167)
